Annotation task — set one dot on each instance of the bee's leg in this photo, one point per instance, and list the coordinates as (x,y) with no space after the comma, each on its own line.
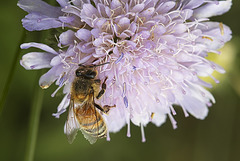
(98,106)
(104,86)
(105,109)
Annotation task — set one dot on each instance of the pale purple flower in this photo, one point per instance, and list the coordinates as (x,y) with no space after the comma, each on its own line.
(156,50)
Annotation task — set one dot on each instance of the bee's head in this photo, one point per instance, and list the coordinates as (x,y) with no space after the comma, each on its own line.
(86,72)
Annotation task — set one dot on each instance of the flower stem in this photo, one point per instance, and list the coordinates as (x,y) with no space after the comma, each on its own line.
(11,73)
(34,122)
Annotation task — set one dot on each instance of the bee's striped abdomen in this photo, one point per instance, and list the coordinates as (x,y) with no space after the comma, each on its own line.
(92,123)
(96,128)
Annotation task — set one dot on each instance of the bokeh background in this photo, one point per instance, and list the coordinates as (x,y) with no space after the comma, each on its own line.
(217,138)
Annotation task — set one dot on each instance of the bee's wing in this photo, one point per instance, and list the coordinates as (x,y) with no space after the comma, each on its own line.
(89,124)
(89,137)
(72,125)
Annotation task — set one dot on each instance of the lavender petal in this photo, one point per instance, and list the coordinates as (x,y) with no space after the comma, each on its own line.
(36,60)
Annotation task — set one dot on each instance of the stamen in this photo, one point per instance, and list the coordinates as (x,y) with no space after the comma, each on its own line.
(221,28)
(216,81)
(119,59)
(54,93)
(152,115)
(108,136)
(172,110)
(185,112)
(174,123)
(124,88)
(125,101)
(128,129)
(57,115)
(61,80)
(143,134)
(206,37)
(63,60)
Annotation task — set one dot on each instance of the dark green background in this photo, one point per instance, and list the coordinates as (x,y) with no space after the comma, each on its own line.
(217,138)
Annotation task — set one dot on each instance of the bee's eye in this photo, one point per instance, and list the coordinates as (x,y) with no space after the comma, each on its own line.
(90,74)
(78,73)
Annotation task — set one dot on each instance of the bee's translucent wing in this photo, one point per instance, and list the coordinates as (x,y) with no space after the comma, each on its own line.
(89,137)
(87,123)
(91,122)
(71,126)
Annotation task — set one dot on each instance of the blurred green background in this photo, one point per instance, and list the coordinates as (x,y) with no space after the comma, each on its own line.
(217,138)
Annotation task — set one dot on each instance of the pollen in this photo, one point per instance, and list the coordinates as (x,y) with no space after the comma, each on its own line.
(44,86)
(221,28)
(207,37)
(152,115)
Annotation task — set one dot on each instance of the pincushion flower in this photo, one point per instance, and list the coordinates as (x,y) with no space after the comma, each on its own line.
(156,51)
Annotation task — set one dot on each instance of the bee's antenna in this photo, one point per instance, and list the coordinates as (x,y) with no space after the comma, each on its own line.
(99,64)
(92,66)
(81,65)
(103,64)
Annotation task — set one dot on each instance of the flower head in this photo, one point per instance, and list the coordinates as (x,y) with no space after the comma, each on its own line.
(156,51)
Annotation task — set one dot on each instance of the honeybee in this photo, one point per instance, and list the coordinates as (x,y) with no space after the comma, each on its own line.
(83,114)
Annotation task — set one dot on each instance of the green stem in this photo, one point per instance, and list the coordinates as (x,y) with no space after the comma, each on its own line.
(11,73)
(34,122)
(35,115)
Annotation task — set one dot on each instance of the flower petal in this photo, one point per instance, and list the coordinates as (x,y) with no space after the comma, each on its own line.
(83,34)
(115,4)
(40,46)
(193,4)
(63,3)
(165,7)
(113,124)
(37,22)
(138,8)
(213,9)
(48,78)
(215,35)
(62,106)
(179,29)
(67,37)
(36,60)
(40,7)
(195,106)
(72,10)
(41,15)
(87,13)
(158,119)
